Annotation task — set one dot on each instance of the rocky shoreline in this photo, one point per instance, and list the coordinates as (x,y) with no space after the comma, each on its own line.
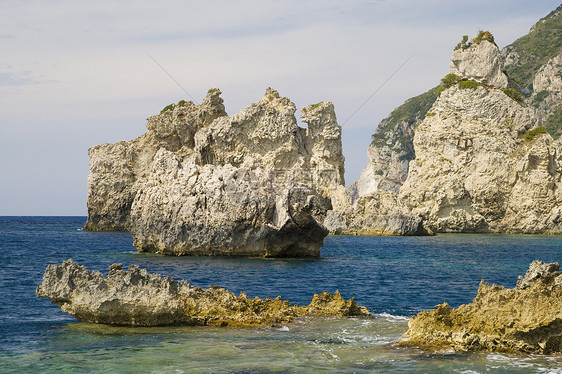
(524,319)
(135,297)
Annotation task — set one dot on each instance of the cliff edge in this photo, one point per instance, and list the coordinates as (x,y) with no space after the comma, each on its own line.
(483,163)
(475,154)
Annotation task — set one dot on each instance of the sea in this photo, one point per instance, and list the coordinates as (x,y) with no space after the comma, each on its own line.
(394,277)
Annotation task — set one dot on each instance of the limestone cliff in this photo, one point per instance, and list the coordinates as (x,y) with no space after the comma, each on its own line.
(116,170)
(135,297)
(473,154)
(374,208)
(482,164)
(391,148)
(526,319)
(535,62)
(201,182)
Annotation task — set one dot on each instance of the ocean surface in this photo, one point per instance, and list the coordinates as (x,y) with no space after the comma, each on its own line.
(394,277)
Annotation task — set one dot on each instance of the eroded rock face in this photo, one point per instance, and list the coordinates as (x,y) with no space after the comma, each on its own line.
(480,62)
(547,91)
(477,166)
(185,208)
(464,161)
(204,183)
(135,297)
(117,170)
(527,318)
(378,213)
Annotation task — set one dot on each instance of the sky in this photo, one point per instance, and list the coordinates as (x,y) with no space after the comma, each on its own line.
(74,74)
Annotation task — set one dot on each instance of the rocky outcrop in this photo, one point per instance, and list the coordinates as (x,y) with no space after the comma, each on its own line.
(482,164)
(117,170)
(188,209)
(479,60)
(135,297)
(547,95)
(446,179)
(375,208)
(378,213)
(527,318)
(200,182)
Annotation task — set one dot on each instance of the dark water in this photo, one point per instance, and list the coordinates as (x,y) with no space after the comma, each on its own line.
(394,277)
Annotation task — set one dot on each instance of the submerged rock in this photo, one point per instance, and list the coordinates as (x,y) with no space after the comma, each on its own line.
(135,297)
(200,182)
(527,318)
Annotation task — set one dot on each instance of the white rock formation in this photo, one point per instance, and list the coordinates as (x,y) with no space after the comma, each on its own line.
(203,183)
(468,167)
(548,78)
(481,62)
(547,89)
(474,170)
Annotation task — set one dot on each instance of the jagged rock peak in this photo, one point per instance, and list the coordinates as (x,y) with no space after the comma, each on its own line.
(201,182)
(479,60)
(539,271)
(135,297)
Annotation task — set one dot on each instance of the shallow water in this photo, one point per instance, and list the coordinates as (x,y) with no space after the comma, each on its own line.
(395,277)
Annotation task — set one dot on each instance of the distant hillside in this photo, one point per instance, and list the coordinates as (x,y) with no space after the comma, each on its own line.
(408,114)
(524,57)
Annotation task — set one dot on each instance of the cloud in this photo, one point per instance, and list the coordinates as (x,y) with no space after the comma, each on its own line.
(16,79)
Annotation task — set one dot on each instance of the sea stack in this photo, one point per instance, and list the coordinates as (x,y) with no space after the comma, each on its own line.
(200,182)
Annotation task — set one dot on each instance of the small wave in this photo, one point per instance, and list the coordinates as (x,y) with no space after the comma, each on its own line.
(534,362)
(391,317)
(284,328)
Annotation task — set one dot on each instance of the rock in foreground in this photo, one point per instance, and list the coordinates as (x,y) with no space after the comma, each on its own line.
(137,298)
(526,319)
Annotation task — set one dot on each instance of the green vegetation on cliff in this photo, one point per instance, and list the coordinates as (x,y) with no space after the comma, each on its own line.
(514,94)
(482,35)
(406,116)
(448,81)
(411,112)
(171,106)
(553,123)
(530,135)
(533,50)
(468,84)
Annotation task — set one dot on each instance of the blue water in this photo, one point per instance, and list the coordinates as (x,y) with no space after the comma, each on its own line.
(394,277)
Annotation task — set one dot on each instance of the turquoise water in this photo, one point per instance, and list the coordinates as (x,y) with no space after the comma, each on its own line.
(395,277)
